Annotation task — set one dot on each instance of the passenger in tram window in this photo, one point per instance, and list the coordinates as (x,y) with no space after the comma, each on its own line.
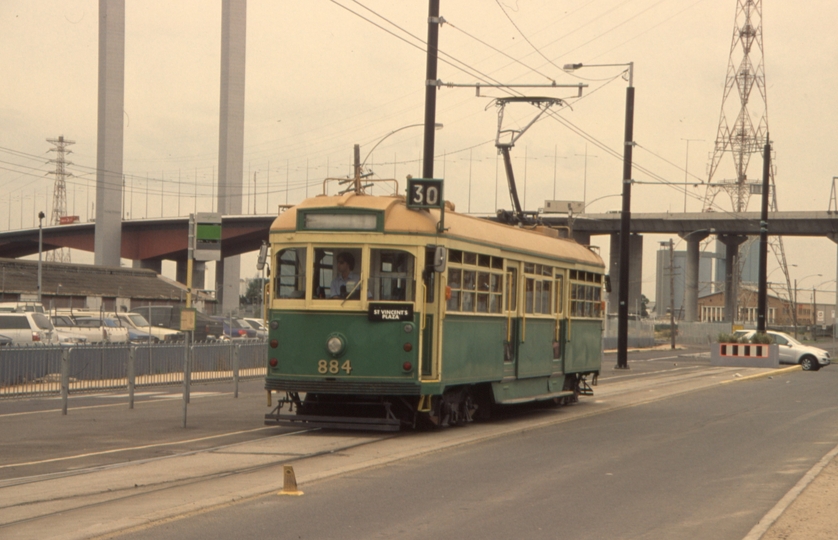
(346,278)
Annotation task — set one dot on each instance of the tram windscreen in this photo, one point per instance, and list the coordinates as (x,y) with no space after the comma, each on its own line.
(391,275)
(337,273)
(290,275)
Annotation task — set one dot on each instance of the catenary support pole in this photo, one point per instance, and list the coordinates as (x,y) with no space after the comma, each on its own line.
(625,231)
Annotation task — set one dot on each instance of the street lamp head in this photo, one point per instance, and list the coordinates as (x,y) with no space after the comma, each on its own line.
(571,67)
(437,126)
(41,215)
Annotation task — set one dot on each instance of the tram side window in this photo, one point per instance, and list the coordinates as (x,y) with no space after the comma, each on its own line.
(391,275)
(475,283)
(336,273)
(290,273)
(539,288)
(585,300)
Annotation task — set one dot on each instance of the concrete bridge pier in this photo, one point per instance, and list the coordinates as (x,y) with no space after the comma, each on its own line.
(693,240)
(199,270)
(148,264)
(635,263)
(732,243)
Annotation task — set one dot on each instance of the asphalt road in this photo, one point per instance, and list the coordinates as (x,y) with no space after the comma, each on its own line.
(706,464)
(672,448)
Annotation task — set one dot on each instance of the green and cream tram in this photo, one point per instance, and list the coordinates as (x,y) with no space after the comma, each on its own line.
(377,320)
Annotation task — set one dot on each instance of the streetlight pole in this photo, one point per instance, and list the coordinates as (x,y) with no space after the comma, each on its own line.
(434,23)
(625,229)
(40,252)
(625,217)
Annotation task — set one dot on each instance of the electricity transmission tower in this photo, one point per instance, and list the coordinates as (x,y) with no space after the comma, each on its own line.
(59,192)
(743,124)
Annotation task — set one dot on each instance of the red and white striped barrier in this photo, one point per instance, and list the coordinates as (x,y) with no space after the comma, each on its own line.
(747,350)
(745,355)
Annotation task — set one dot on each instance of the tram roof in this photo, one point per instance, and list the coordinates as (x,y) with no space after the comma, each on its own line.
(398,218)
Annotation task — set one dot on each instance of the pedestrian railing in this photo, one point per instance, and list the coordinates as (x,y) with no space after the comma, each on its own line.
(52,370)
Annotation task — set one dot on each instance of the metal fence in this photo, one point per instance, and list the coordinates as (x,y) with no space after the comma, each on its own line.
(700,333)
(37,371)
(641,334)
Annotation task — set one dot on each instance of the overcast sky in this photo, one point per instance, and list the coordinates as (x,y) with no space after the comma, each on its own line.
(325,75)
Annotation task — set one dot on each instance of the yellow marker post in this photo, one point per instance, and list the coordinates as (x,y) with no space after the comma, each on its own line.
(289,482)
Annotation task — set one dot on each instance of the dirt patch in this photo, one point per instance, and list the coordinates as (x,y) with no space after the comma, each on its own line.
(814,514)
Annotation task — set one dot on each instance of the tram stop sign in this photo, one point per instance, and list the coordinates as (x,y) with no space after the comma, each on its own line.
(424,193)
(206,236)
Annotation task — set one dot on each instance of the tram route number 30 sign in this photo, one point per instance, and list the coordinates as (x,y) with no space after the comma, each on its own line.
(424,193)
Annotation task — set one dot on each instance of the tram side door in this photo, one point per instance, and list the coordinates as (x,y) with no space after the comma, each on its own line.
(512,339)
(432,298)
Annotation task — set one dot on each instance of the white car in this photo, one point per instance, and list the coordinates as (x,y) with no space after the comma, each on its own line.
(31,328)
(792,351)
(258,325)
(91,330)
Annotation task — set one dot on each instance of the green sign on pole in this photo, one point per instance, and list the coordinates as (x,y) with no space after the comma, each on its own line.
(207,237)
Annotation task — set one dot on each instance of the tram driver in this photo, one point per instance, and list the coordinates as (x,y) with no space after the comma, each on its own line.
(345,278)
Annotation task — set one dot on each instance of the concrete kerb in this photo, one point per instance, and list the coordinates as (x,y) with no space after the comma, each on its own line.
(763,375)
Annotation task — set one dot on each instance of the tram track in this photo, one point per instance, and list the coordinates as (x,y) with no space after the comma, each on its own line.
(103,499)
(19,509)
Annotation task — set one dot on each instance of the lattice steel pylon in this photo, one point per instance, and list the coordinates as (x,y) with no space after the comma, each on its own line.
(59,192)
(748,135)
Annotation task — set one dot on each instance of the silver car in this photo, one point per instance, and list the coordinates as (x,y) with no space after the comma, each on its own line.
(792,351)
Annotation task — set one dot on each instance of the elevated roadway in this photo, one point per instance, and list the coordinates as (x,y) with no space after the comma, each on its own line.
(165,238)
(745,223)
(150,241)
(142,239)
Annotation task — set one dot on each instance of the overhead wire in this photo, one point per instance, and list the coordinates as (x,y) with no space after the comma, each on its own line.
(461,66)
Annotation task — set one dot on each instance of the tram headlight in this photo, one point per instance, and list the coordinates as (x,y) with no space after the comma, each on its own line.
(335,344)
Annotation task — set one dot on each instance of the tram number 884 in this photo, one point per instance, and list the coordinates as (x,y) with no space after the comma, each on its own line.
(334,367)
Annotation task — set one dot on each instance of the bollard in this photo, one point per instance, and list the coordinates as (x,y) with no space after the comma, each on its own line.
(289,482)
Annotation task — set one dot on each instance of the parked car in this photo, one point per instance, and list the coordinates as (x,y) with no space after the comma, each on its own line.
(32,328)
(259,326)
(66,323)
(235,329)
(21,307)
(206,328)
(110,329)
(140,323)
(139,337)
(5,340)
(792,351)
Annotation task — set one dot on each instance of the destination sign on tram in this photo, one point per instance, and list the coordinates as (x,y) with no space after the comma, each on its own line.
(390,312)
(424,193)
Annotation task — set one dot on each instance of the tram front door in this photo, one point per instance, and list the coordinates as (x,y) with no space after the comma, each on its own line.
(430,317)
